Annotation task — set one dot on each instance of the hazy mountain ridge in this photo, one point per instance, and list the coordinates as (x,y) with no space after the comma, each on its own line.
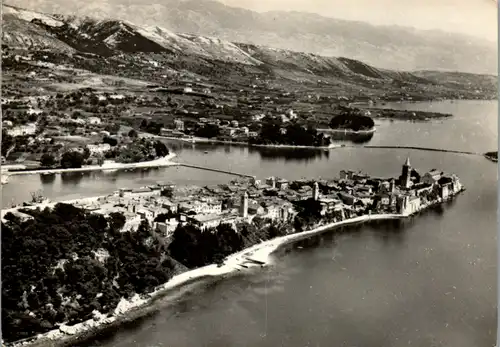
(387,47)
(110,37)
(149,52)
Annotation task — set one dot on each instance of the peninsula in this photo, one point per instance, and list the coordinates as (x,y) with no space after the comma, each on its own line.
(415,116)
(86,264)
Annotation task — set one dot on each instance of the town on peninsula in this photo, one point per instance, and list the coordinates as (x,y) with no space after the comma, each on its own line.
(133,243)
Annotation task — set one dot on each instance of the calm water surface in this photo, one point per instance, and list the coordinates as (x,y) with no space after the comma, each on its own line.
(431,281)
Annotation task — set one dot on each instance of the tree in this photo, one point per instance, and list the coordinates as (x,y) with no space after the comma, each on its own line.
(111,141)
(100,160)
(168,192)
(47,160)
(86,153)
(208,131)
(117,220)
(72,159)
(161,149)
(112,128)
(132,134)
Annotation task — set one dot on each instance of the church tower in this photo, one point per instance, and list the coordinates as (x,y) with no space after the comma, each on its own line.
(392,186)
(406,174)
(316,191)
(244,205)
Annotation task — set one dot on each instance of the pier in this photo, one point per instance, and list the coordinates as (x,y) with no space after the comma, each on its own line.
(420,149)
(215,170)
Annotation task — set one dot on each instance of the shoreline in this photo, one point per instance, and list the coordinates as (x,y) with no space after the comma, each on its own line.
(161,162)
(429,100)
(348,131)
(206,140)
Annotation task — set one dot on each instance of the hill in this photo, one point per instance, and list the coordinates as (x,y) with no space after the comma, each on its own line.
(383,46)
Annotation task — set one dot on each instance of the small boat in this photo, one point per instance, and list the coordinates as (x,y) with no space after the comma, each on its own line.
(206,152)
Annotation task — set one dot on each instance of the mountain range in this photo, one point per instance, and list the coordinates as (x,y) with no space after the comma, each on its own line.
(382,46)
(148,52)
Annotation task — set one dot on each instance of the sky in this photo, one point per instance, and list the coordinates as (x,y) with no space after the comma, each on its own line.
(473,17)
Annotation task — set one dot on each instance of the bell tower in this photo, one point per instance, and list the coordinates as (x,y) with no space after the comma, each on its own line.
(406,174)
(316,191)
(244,205)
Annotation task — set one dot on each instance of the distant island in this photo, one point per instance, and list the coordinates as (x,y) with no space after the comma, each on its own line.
(72,267)
(493,156)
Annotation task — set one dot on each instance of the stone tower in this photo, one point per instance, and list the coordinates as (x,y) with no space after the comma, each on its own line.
(392,186)
(406,174)
(316,191)
(244,205)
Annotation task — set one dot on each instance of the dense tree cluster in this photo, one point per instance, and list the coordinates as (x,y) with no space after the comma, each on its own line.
(110,140)
(17,114)
(309,213)
(138,151)
(194,247)
(52,274)
(151,127)
(72,159)
(208,131)
(292,134)
(261,230)
(47,160)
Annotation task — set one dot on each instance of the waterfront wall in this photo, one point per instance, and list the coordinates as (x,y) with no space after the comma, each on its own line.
(215,170)
(162,162)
